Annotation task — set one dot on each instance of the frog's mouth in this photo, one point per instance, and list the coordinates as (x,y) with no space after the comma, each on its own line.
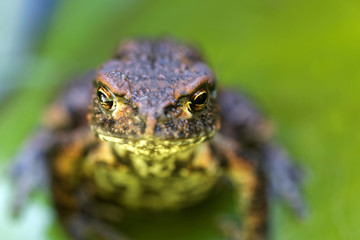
(154,146)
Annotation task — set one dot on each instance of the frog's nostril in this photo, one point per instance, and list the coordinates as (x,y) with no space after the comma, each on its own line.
(168,110)
(156,115)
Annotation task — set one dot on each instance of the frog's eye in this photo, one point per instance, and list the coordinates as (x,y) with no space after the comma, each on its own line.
(199,100)
(106,99)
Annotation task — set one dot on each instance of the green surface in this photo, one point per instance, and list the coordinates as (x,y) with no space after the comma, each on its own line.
(298,59)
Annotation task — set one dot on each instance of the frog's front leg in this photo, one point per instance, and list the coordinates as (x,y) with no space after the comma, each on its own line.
(251,189)
(89,217)
(83,212)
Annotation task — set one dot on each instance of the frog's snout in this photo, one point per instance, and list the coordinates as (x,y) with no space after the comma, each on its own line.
(150,124)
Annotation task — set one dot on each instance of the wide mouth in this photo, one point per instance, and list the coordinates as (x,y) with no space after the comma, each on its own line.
(153,145)
(152,142)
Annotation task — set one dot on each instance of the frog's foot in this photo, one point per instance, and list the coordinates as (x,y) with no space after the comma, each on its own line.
(285,178)
(82,227)
(29,170)
(230,228)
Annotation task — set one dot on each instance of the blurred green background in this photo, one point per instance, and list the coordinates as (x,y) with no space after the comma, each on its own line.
(299,60)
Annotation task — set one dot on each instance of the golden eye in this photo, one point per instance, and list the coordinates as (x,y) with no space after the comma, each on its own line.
(199,100)
(105,98)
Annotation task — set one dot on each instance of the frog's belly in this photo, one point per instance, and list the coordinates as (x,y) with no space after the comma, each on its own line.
(155,193)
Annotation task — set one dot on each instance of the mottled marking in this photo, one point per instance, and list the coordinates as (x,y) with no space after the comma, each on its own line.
(139,187)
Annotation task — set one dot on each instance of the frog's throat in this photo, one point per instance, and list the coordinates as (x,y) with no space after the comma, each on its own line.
(161,148)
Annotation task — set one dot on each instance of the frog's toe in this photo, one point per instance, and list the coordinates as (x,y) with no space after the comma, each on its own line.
(285,179)
(85,228)
(230,228)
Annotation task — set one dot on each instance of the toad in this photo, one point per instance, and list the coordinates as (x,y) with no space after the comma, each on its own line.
(150,131)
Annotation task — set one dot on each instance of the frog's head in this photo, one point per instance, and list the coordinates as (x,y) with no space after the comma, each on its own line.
(154,97)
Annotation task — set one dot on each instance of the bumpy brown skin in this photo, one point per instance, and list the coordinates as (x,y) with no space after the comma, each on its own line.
(153,152)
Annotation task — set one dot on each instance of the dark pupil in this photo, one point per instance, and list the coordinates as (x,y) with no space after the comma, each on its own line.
(201,98)
(105,101)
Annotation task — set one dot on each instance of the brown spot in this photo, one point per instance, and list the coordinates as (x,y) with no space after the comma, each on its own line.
(63,198)
(65,162)
(56,117)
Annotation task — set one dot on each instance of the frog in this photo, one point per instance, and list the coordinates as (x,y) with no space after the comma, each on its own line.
(150,131)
